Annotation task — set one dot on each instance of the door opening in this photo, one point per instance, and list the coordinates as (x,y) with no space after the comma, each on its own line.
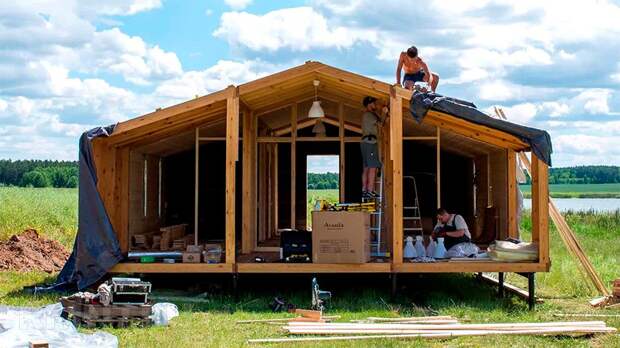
(322,181)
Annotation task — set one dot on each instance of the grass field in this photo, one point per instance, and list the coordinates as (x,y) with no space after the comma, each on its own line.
(208,312)
(51,211)
(579,190)
(314,195)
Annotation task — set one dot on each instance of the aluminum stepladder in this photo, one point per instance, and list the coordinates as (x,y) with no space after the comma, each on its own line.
(376,218)
(411,213)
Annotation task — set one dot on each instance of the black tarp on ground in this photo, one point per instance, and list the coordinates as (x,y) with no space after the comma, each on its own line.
(96,249)
(538,140)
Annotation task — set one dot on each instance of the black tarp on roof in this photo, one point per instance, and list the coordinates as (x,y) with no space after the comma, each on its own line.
(96,249)
(538,140)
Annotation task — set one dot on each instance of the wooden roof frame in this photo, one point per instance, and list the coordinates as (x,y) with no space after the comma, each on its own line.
(185,115)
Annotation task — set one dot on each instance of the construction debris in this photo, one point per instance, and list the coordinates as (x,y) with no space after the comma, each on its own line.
(30,252)
(432,329)
(305,315)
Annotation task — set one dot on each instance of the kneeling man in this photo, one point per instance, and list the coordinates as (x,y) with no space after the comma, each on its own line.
(452,228)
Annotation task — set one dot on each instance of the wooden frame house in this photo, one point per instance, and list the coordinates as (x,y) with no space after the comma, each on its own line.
(231,165)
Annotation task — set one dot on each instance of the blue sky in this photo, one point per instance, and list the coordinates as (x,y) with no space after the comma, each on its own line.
(69,65)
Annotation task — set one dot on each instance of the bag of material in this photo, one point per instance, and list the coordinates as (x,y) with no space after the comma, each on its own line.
(163,312)
(465,249)
(510,252)
(20,325)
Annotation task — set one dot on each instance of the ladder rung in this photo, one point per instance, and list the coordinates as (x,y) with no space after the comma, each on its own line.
(375,229)
(411,208)
(411,218)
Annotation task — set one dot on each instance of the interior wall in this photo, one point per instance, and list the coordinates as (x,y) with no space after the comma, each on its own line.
(499,180)
(143,220)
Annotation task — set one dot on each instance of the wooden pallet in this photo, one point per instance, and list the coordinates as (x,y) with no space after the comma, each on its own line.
(94,315)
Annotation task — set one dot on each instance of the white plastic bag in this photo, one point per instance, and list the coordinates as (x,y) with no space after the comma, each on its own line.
(163,312)
(465,249)
(20,325)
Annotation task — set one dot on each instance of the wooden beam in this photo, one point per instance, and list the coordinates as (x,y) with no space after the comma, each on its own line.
(513,229)
(396,155)
(540,207)
(293,164)
(341,158)
(121,226)
(248,239)
(438,176)
(196,183)
(232,155)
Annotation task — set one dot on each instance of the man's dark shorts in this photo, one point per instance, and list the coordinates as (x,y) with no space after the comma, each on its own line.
(415,77)
(370,155)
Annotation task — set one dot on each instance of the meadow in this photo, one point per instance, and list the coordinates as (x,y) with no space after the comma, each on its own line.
(578,190)
(208,311)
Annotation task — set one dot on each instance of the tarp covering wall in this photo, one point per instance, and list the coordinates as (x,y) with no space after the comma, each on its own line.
(538,140)
(96,249)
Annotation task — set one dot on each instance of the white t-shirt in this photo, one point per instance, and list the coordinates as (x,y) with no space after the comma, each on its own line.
(459,223)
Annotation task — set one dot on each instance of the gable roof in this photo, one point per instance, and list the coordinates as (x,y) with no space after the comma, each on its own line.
(286,87)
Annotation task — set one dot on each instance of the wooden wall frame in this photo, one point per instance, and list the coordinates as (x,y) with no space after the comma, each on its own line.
(540,208)
(396,156)
(232,155)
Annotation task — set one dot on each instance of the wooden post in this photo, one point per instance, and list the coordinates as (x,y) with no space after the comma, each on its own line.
(438,177)
(248,240)
(293,164)
(196,182)
(513,229)
(232,155)
(396,155)
(342,151)
(540,207)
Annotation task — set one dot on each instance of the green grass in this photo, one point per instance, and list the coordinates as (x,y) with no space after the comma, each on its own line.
(51,211)
(330,195)
(578,190)
(211,322)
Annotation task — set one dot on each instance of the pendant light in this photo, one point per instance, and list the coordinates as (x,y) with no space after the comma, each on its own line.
(316,111)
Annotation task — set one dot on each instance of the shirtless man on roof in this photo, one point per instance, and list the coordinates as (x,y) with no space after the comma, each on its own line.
(415,70)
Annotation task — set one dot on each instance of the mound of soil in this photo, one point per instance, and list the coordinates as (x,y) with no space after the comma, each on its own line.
(30,252)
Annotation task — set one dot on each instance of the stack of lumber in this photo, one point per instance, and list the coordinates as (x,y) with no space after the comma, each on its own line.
(171,233)
(431,329)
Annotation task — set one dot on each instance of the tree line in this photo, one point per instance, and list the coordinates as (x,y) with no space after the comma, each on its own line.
(39,173)
(322,181)
(585,175)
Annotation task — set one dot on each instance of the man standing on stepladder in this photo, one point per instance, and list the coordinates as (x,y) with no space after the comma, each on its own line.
(370,151)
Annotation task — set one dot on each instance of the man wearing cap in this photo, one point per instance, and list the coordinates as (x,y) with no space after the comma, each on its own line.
(368,145)
(415,69)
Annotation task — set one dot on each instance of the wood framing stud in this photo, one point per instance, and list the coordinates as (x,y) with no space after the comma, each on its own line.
(513,229)
(232,155)
(396,155)
(540,207)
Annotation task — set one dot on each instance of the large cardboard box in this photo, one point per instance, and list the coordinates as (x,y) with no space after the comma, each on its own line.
(340,237)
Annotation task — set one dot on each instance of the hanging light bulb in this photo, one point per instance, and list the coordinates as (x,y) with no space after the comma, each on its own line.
(316,111)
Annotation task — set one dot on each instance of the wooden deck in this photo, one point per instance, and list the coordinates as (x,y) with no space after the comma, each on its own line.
(372,267)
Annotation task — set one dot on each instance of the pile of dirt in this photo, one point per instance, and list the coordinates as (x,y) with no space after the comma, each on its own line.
(30,252)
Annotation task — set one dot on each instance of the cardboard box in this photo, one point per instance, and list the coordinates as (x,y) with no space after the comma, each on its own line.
(191,257)
(340,237)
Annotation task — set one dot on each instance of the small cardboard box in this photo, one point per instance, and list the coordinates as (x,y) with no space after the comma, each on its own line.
(191,257)
(340,237)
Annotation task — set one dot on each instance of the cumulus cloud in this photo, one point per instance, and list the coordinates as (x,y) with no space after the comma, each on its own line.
(238,4)
(297,29)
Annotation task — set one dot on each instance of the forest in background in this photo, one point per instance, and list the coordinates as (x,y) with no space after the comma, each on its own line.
(45,173)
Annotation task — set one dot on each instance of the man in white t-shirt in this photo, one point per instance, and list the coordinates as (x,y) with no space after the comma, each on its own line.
(451,227)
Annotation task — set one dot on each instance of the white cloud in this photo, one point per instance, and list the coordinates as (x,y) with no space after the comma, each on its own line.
(214,78)
(238,4)
(298,29)
(595,101)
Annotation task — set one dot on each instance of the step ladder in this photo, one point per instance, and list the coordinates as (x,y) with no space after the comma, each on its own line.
(412,218)
(376,220)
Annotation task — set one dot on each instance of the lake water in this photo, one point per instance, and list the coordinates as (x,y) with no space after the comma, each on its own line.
(597,204)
